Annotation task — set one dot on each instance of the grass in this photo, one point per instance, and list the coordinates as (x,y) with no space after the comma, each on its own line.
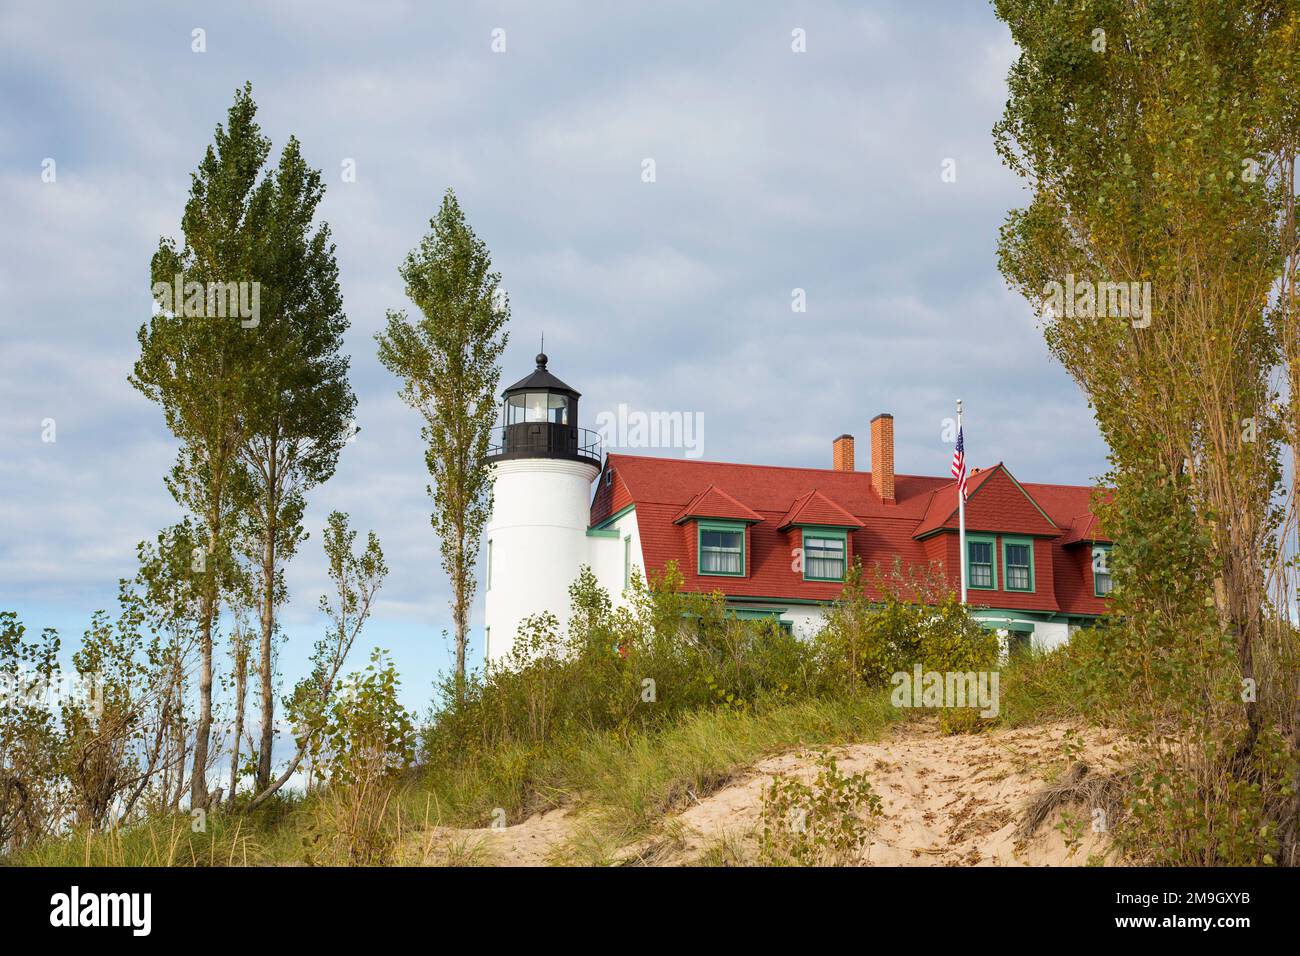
(1038,686)
(624,786)
(162,841)
(629,787)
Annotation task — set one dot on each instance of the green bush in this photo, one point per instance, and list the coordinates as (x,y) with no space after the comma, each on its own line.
(915,621)
(817,824)
(619,671)
(367,743)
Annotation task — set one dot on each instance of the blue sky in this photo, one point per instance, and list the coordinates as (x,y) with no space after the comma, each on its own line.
(775,170)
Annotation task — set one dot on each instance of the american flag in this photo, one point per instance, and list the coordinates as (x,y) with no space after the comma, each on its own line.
(959,464)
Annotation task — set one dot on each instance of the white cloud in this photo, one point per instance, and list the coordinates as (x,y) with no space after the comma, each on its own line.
(775,170)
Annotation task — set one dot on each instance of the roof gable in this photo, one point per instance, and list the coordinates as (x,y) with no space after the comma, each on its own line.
(996,502)
(815,508)
(712,502)
(941,511)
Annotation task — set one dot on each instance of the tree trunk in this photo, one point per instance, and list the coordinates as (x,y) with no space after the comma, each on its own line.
(241,692)
(462,614)
(462,635)
(203,730)
(1290,831)
(268,623)
(177,758)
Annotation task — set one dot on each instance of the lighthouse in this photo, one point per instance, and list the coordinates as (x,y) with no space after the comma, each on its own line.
(543,465)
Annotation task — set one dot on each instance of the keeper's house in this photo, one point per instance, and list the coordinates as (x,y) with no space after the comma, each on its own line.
(776,541)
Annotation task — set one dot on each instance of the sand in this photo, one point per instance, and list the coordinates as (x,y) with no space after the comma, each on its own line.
(945,801)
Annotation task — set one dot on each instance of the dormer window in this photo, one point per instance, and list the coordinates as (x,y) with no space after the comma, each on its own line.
(825,554)
(722,548)
(1102,582)
(824,529)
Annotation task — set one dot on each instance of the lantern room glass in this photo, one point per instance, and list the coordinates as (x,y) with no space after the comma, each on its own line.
(557,411)
(537,407)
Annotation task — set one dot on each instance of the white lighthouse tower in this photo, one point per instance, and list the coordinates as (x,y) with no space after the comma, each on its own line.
(536,539)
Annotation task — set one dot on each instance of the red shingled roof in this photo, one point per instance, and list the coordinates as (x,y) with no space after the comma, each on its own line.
(941,509)
(815,508)
(1084,528)
(919,529)
(712,503)
(995,502)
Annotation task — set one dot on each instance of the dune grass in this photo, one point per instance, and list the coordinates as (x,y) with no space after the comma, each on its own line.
(225,840)
(622,785)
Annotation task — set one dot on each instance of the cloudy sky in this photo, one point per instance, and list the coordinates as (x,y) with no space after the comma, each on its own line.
(774,171)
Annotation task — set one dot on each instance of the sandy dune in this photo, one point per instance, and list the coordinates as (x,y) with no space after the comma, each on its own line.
(946,801)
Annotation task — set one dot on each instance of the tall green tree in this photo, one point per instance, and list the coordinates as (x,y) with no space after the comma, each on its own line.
(1156,139)
(195,363)
(301,416)
(448,360)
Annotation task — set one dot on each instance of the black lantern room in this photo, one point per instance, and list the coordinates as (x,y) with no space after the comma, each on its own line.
(539,419)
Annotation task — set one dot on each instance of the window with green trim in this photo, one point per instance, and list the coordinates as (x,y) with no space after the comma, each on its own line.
(627,562)
(1018,564)
(722,549)
(981,572)
(1102,583)
(825,555)
(489,566)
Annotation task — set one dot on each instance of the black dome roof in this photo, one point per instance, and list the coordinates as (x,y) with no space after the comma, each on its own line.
(540,380)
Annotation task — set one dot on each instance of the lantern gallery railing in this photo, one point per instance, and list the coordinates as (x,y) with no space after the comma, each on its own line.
(544,440)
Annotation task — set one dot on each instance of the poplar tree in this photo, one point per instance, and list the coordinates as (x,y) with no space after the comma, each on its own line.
(1158,142)
(301,416)
(194,362)
(1150,136)
(448,360)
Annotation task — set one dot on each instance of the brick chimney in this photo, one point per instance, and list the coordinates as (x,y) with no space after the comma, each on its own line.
(882,456)
(842,453)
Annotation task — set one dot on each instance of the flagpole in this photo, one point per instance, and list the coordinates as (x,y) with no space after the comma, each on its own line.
(961,516)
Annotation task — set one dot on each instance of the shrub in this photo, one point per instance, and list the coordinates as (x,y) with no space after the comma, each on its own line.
(915,620)
(368,742)
(817,824)
(30,742)
(619,671)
